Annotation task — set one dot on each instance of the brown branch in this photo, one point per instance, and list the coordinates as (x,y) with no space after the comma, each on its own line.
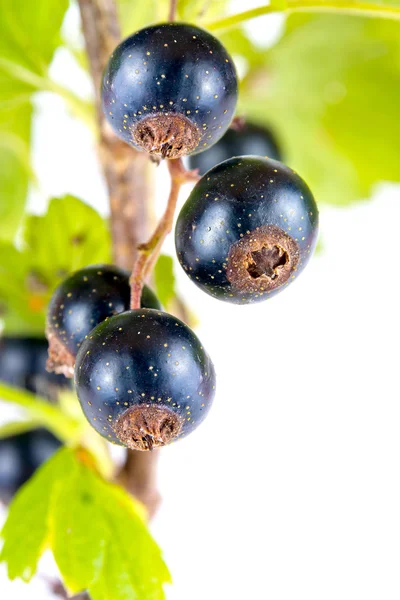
(127,176)
(126,171)
(139,477)
(148,252)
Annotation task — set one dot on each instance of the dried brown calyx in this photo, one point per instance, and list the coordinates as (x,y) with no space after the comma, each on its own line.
(262,260)
(145,427)
(167,135)
(60,359)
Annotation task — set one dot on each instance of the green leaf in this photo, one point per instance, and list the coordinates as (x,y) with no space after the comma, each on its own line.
(134,560)
(26,532)
(15,165)
(135,15)
(65,419)
(17,427)
(165,286)
(334,105)
(41,411)
(70,236)
(96,531)
(164,279)
(114,579)
(239,44)
(28,38)
(78,530)
(196,11)
(278,4)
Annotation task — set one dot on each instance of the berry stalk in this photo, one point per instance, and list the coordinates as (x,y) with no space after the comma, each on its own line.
(147,253)
(172,10)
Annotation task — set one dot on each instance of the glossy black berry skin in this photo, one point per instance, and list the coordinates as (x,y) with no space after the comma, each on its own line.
(242,213)
(170,69)
(248,139)
(20,456)
(23,364)
(88,297)
(143,358)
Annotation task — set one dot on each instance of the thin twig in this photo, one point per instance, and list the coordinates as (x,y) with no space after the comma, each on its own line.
(172,10)
(338,7)
(147,253)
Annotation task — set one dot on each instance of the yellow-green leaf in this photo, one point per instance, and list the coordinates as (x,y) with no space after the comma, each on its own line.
(95,530)
(79,535)
(70,236)
(26,532)
(330,89)
(164,279)
(28,38)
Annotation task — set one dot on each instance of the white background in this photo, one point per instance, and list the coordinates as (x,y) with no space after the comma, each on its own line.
(290,489)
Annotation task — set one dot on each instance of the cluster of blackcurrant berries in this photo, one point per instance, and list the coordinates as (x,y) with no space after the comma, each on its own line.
(246,231)
(142,376)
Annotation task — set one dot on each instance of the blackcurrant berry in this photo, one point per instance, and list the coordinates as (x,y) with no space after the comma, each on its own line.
(81,301)
(170,89)
(23,364)
(246,139)
(20,456)
(143,379)
(247,230)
